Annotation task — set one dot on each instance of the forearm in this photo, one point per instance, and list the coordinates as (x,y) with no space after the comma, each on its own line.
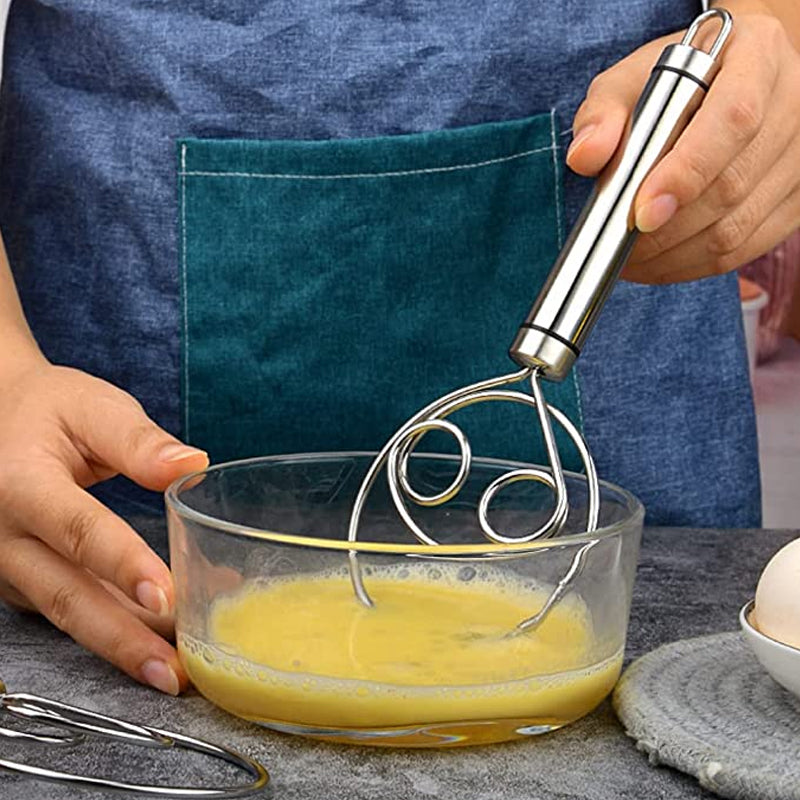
(18,345)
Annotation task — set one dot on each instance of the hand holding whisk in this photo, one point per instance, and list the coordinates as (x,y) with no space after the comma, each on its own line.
(559,322)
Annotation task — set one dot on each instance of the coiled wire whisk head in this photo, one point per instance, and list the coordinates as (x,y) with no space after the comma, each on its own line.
(84,726)
(397,450)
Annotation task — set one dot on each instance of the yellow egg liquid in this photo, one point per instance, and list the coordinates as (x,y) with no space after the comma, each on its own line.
(429,665)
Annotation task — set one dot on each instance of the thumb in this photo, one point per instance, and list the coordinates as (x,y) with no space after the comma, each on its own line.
(596,139)
(121,437)
(600,121)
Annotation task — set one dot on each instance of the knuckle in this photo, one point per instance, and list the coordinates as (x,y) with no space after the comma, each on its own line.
(17,475)
(134,403)
(62,606)
(733,186)
(597,86)
(79,534)
(581,115)
(729,233)
(12,548)
(125,562)
(696,174)
(116,647)
(110,399)
(124,398)
(745,116)
(140,435)
(8,489)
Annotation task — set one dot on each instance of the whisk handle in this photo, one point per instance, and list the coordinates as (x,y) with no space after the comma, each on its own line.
(598,246)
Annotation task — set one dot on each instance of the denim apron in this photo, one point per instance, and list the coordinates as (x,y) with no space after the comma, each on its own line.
(286,226)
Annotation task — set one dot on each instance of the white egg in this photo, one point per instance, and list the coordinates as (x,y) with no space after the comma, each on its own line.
(777,610)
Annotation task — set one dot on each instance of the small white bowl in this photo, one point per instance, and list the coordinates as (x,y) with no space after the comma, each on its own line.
(781,660)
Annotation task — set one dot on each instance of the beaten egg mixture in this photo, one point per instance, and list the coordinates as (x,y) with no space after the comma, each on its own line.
(303,651)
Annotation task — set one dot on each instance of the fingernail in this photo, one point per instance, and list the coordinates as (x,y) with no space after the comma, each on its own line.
(580,137)
(656,213)
(161,676)
(152,597)
(174,451)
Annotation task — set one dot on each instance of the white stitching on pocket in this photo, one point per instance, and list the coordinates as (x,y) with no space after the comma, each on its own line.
(184,291)
(556,185)
(393,174)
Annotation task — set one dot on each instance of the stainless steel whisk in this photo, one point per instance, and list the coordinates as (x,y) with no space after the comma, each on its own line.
(546,346)
(79,724)
(559,322)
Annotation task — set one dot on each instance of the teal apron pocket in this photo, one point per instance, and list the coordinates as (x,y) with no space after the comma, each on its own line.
(332,288)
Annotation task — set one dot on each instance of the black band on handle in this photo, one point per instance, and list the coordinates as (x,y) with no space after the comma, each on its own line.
(553,335)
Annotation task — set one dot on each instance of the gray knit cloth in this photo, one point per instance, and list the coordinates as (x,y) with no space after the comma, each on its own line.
(707,707)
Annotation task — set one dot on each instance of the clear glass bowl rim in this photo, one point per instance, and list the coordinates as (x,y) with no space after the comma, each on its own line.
(632,520)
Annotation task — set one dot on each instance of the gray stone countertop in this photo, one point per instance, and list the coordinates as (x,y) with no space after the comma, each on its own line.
(689,583)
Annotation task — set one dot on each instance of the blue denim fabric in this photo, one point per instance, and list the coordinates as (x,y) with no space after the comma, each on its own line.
(96,94)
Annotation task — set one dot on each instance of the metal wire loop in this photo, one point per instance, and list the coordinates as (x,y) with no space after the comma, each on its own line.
(722,37)
(53,713)
(397,451)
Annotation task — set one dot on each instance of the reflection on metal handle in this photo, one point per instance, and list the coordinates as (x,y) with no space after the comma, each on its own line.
(52,713)
(589,264)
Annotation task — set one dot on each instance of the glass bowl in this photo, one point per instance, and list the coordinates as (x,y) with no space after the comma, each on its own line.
(270,628)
